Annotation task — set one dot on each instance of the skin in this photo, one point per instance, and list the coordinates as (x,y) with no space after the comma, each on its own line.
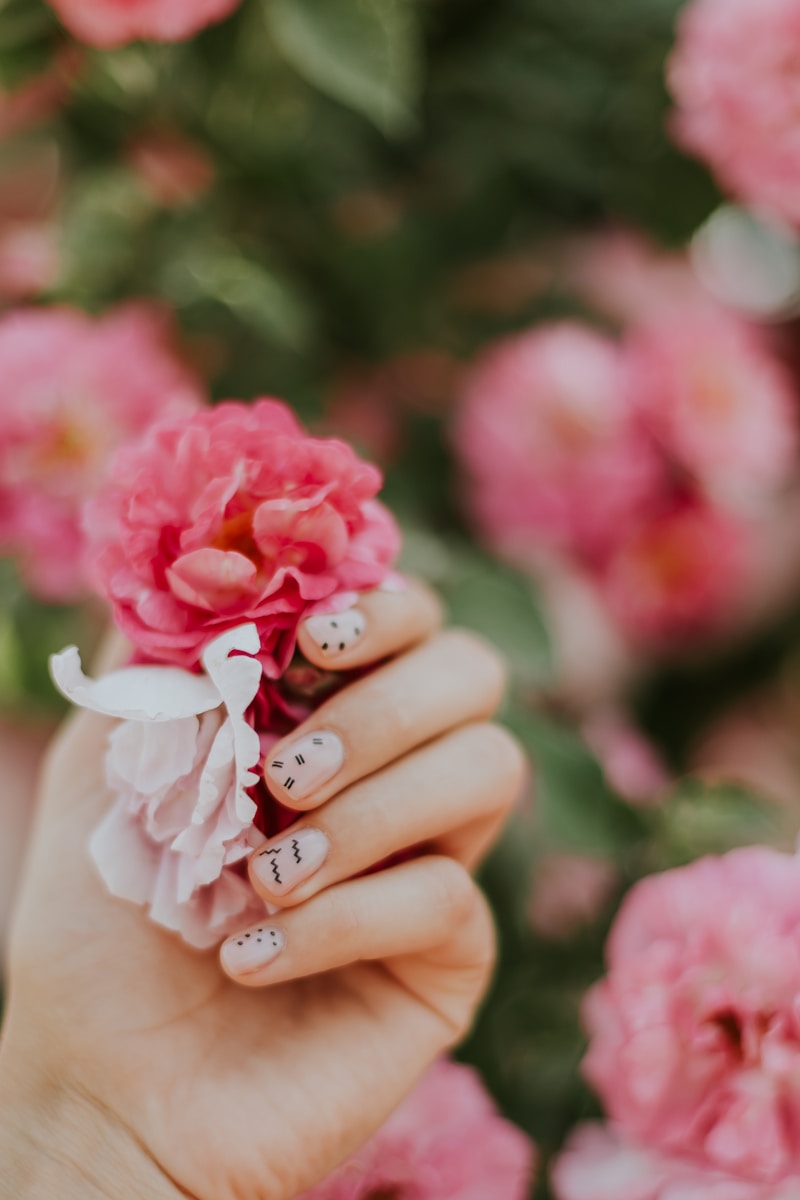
(132,1066)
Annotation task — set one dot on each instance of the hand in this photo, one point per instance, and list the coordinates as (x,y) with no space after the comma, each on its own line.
(133,1066)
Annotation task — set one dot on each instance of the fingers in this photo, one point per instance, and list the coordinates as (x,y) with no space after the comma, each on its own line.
(410,910)
(382,624)
(450,680)
(452,796)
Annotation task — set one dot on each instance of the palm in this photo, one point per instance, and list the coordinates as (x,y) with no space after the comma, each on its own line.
(232,1092)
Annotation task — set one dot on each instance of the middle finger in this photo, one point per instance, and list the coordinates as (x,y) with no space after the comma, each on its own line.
(450,680)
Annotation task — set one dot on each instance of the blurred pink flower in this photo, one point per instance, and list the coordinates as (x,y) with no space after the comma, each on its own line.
(716,398)
(755,744)
(734,77)
(235,515)
(108,23)
(626,277)
(446,1141)
(569,891)
(695,1030)
(630,762)
(678,575)
(40,97)
(171,168)
(600,1163)
(551,448)
(29,258)
(72,389)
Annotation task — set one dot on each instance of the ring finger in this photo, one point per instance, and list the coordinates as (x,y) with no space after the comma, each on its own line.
(450,796)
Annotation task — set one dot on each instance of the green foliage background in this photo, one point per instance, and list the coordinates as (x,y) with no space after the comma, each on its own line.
(369,155)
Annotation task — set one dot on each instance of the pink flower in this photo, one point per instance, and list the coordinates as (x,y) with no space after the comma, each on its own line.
(678,575)
(181,766)
(552,449)
(235,515)
(734,77)
(569,891)
(72,389)
(446,1141)
(629,279)
(29,258)
(113,22)
(630,762)
(173,170)
(600,1163)
(695,1030)
(716,398)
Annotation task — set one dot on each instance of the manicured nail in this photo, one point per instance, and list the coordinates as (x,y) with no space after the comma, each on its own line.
(291,860)
(246,952)
(303,765)
(335,632)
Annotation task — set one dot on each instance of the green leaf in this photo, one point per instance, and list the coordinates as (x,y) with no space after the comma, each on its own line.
(259,297)
(710,818)
(364,53)
(501,604)
(577,809)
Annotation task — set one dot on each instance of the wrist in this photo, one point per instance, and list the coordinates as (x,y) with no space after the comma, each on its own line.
(56,1142)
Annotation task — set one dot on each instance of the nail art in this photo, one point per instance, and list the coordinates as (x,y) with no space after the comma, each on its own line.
(305,764)
(246,952)
(336,632)
(291,860)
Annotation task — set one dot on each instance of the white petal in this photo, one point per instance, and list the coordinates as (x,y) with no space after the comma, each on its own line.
(238,679)
(135,693)
(151,757)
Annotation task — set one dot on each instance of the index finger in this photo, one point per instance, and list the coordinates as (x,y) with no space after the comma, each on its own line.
(381,624)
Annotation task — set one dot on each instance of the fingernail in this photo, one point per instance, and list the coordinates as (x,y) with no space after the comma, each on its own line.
(335,632)
(248,951)
(291,860)
(303,765)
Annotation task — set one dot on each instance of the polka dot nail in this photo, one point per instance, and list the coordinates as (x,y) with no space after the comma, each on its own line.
(252,949)
(336,632)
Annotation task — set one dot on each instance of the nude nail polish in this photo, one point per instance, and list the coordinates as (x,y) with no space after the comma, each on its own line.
(304,765)
(336,632)
(287,862)
(246,952)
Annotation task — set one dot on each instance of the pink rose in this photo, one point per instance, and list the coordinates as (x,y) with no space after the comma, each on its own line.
(626,277)
(551,447)
(72,389)
(630,762)
(173,170)
(695,1030)
(600,1163)
(678,575)
(716,398)
(446,1141)
(734,77)
(113,22)
(229,516)
(569,892)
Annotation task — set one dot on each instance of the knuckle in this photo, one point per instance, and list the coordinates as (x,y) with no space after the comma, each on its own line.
(509,762)
(484,658)
(348,919)
(455,894)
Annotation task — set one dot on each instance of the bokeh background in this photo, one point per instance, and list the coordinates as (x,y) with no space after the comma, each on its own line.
(354,205)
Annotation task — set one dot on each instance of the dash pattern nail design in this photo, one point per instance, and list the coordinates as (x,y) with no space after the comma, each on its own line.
(307,763)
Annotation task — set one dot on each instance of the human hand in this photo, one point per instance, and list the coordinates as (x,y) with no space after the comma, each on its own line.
(132,1066)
